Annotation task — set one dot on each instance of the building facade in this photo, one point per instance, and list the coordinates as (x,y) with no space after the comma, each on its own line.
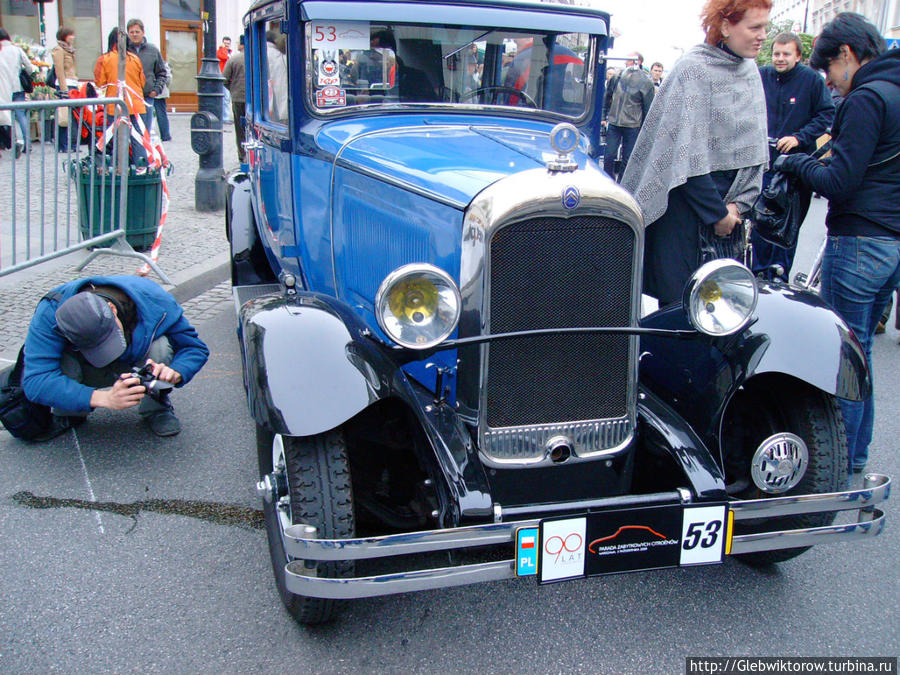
(808,16)
(176,26)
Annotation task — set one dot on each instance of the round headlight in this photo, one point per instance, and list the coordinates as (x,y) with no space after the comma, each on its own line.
(720,297)
(418,306)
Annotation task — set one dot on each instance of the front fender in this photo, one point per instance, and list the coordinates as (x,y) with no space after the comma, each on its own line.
(308,366)
(795,334)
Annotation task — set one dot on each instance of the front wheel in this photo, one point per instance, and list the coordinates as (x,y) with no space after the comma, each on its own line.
(310,479)
(759,412)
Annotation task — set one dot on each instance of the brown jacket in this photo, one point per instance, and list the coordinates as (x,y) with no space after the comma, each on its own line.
(106,72)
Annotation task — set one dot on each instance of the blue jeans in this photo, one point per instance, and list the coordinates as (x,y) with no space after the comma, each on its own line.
(858,276)
(162,119)
(615,136)
(21,119)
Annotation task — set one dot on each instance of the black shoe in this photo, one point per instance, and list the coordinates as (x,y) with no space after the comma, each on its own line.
(19,150)
(163,422)
(859,469)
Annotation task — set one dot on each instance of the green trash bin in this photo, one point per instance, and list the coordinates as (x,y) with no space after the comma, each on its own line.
(143,208)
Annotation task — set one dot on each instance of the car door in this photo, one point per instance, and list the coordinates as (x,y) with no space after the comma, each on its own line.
(269,136)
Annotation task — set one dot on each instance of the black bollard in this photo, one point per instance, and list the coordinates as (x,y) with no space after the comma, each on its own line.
(206,124)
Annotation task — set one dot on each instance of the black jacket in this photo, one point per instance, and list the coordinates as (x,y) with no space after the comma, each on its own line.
(862,181)
(797,104)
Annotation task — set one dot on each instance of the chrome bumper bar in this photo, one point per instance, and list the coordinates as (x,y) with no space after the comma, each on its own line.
(300,573)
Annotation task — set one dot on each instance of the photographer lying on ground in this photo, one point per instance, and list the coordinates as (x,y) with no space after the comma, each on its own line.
(85,338)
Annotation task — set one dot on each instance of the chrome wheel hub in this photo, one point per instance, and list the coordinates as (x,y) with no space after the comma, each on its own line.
(779,463)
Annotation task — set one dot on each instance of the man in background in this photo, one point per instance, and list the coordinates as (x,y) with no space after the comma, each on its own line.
(799,109)
(656,73)
(223,53)
(236,85)
(625,105)
(154,68)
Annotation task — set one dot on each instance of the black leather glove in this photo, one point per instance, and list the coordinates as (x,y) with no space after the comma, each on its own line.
(785,163)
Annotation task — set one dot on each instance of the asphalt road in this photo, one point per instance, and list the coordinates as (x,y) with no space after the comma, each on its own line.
(120,552)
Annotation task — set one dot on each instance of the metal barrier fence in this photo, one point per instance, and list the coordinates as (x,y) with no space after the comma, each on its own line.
(71,192)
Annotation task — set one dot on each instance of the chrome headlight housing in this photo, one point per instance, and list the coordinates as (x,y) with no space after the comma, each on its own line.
(720,297)
(418,306)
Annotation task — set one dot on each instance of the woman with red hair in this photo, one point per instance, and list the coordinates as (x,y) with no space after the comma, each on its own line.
(698,162)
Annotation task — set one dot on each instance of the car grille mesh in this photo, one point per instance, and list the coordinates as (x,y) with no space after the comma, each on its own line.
(559,273)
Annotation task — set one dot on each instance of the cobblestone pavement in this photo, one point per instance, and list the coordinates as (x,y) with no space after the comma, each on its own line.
(209,304)
(193,242)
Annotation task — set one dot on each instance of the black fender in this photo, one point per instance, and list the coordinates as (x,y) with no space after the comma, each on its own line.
(793,333)
(249,263)
(310,365)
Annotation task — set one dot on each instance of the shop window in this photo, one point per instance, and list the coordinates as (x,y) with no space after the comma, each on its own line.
(20,18)
(181,10)
(82,16)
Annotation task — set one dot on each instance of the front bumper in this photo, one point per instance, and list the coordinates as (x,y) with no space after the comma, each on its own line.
(301,544)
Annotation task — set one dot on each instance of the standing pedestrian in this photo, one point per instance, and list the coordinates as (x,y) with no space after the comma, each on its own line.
(63,56)
(698,162)
(656,74)
(625,105)
(861,265)
(159,107)
(154,68)
(12,61)
(223,53)
(799,109)
(235,83)
(106,77)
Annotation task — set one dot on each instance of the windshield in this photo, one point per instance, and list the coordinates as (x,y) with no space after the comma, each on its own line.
(374,64)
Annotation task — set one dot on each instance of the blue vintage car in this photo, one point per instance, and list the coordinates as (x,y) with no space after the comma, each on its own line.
(446,350)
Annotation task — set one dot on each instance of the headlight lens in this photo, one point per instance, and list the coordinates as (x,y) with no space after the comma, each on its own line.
(418,306)
(720,297)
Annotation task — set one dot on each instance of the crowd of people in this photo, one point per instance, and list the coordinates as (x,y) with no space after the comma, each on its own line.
(699,161)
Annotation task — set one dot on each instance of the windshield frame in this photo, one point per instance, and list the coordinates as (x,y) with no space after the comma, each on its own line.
(586,84)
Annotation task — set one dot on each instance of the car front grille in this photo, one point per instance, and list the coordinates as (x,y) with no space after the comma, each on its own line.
(559,273)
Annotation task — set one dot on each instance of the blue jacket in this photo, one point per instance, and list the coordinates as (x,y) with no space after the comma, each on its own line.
(797,104)
(862,181)
(158,314)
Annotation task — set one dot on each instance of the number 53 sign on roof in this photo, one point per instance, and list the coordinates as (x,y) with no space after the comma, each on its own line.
(340,35)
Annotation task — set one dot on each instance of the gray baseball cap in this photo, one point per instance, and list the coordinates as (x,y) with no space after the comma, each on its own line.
(87,321)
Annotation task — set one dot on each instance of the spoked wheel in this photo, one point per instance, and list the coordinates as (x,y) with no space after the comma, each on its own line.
(308,482)
(774,436)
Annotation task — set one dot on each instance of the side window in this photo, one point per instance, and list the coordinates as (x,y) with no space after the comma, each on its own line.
(272,56)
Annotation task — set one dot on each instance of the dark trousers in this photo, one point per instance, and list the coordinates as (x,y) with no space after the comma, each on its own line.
(237,109)
(162,118)
(616,136)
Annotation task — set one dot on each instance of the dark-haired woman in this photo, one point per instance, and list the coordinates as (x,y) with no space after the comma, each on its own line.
(106,76)
(861,266)
(698,162)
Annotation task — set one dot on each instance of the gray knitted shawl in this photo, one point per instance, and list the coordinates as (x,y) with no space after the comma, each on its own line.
(708,115)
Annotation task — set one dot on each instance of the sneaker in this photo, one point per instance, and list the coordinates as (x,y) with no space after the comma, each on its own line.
(163,422)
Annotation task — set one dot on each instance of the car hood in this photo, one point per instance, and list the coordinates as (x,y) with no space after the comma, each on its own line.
(451,162)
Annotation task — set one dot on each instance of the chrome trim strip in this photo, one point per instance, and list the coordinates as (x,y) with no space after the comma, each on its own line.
(505,446)
(770,541)
(878,492)
(388,584)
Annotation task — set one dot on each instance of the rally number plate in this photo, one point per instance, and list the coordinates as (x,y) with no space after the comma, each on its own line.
(623,540)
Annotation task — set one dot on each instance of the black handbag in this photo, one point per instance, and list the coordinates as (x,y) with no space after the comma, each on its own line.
(780,209)
(22,418)
(26,81)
